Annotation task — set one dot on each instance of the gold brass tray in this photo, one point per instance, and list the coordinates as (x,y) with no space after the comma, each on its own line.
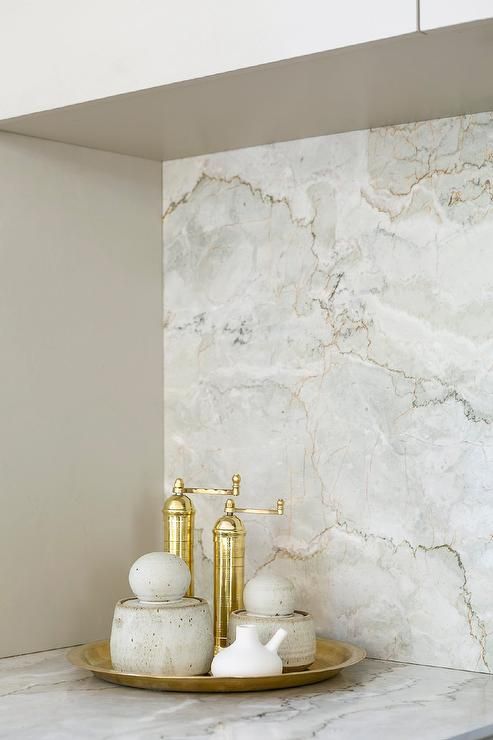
(332,656)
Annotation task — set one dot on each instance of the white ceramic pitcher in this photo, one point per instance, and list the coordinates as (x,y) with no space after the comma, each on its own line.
(247,656)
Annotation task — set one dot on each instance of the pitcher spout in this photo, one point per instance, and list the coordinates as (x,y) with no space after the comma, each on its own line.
(276,640)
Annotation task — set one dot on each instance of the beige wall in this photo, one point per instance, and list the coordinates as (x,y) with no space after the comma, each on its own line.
(80,386)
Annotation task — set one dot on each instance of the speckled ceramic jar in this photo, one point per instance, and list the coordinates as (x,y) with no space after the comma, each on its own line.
(297,651)
(171,639)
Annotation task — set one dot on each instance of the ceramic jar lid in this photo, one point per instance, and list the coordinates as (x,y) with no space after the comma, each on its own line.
(159,577)
(269,595)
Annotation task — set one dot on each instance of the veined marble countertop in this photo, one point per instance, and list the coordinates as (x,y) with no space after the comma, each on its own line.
(43,696)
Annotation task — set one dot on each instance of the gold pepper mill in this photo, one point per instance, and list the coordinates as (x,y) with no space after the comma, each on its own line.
(179,518)
(229,566)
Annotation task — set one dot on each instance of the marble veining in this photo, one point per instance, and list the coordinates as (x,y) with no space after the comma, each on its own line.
(43,696)
(328,334)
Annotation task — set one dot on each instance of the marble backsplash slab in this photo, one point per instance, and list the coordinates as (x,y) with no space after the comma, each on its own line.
(329,334)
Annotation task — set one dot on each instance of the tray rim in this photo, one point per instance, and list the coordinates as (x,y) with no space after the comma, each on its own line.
(211,684)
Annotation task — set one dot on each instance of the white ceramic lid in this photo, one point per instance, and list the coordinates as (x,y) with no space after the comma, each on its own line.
(269,595)
(159,577)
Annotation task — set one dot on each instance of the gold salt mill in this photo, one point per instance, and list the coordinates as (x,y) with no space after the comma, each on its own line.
(179,518)
(229,566)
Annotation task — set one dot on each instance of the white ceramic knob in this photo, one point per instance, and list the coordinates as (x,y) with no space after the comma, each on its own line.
(159,576)
(269,595)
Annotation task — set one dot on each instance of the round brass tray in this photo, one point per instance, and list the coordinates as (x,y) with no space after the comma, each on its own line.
(332,656)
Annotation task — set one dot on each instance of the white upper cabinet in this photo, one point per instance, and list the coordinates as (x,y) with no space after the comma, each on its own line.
(437,13)
(55,53)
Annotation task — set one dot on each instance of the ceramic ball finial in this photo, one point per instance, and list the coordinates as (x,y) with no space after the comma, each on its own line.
(159,577)
(269,595)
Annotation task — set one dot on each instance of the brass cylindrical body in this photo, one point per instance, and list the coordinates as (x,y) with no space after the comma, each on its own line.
(229,573)
(179,519)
